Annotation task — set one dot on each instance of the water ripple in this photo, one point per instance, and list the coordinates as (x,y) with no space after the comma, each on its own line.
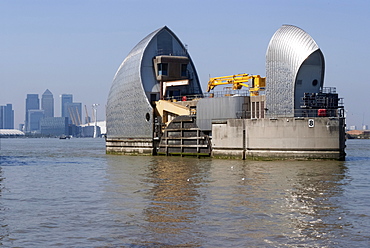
(71,194)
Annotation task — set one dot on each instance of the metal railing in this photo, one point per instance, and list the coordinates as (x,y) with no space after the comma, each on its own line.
(302,112)
(331,90)
(214,94)
(171,52)
(339,112)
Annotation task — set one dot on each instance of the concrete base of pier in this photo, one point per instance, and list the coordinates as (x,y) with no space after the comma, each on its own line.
(279,138)
(130,146)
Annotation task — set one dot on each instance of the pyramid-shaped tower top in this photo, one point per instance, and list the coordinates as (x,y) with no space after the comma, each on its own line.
(47,92)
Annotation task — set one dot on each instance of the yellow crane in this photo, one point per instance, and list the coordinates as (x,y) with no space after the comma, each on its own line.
(257,84)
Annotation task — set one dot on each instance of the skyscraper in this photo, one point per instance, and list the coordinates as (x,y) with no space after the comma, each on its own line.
(65,98)
(34,118)
(6,117)
(32,102)
(74,111)
(47,103)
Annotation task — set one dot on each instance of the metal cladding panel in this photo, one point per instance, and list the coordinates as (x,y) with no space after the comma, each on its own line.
(127,103)
(209,109)
(129,111)
(289,47)
(166,42)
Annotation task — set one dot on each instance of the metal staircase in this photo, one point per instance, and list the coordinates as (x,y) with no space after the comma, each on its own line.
(182,137)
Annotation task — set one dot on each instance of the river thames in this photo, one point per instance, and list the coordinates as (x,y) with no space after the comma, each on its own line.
(69,193)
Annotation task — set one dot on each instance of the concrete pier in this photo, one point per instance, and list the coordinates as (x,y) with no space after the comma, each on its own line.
(293,137)
(130,146)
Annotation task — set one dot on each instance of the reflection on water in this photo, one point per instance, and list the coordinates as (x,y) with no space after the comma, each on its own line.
(174,199)
(69,193)
(161,199)
(311,202)
(2,225)
(197,203)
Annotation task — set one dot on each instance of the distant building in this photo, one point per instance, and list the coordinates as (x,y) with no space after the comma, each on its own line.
(54,126)
(47,103)
(65,98)
(74,131)
(88,131)
(34,118)
(358,134)
(71,109)
(9,133)
(365,127)
(352,128)
(6,117)
(32,103)
(74,110)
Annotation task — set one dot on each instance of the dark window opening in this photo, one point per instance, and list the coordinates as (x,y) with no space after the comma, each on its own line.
(147,116)
(162,69)
(153,97)
(314,82)
(184,68)
(173,93)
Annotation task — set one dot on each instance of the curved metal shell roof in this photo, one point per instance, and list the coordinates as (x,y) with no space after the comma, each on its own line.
(289,47)
(129,111)
(125,93)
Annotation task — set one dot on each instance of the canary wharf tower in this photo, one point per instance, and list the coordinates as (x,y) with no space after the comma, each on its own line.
(158,66)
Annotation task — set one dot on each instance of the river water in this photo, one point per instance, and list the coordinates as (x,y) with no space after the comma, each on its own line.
(69,193)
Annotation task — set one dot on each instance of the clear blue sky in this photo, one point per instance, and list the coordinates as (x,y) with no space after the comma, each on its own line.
(76,46)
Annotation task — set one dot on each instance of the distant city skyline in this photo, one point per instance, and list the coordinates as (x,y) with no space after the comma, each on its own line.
(35,112)
(77,46)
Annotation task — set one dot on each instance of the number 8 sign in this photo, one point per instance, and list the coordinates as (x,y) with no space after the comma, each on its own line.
(311,122)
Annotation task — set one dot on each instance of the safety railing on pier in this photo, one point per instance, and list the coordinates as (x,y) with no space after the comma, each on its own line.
(307,113)
(214,94)
(302,112)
